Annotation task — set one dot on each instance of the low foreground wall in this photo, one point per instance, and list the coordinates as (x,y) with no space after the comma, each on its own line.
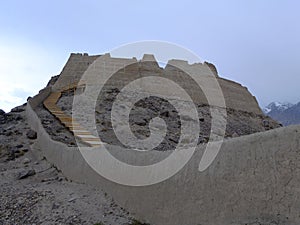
(253,178)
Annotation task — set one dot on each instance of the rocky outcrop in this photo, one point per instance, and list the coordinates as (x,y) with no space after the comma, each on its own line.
(13,128)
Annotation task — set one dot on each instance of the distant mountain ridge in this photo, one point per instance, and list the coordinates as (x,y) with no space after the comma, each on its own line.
(284,112)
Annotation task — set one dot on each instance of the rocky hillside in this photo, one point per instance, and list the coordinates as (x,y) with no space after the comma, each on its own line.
(239,123)
(33,191)
(285,113)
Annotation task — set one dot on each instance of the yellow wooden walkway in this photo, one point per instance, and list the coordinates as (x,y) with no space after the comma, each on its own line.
(77,130)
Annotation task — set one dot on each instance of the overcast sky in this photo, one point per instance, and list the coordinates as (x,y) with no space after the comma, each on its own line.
(256,43)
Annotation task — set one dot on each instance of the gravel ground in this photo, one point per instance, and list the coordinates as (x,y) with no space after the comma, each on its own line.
(32,191)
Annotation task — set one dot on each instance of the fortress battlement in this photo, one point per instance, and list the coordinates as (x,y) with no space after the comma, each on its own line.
(236,96)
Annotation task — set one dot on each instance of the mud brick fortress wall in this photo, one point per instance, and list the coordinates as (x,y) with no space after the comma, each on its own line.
(236,96)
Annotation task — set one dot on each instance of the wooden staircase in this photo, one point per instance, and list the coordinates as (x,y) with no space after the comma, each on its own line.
(77,130)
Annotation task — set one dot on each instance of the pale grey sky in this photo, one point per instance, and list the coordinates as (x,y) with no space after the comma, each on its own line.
(256,43)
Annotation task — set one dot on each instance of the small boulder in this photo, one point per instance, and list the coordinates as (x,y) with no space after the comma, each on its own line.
(19,146)
(55,205)
(25,173)
(234,135)
(31,134)
(266,123)
(26,161)
(72,199)
(8,133)
(165,114)
(1,112)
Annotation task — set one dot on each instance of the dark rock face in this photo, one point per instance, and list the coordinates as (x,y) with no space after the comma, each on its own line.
(54,127)
(18,109)
(53,80)
(12,117)
(31,134)
(239,123)
(25,173)
(13,129)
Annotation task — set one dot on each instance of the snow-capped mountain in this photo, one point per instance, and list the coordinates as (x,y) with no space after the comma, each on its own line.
(277,106)
(285,113)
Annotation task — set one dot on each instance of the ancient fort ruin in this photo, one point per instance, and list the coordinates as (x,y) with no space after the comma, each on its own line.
(251,176)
